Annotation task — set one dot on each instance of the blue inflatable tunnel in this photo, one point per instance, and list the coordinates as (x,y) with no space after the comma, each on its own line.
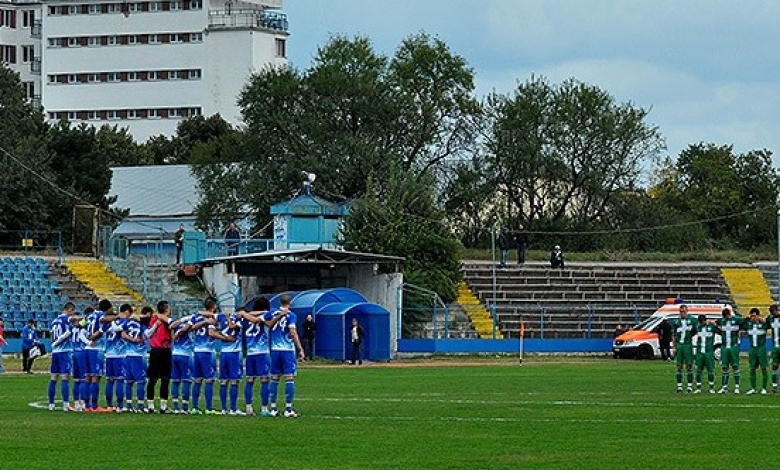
(334,322)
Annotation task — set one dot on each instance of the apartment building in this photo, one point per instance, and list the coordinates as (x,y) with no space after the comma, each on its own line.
(145,65)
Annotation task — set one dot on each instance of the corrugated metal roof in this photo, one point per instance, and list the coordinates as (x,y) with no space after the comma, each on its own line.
(159,190)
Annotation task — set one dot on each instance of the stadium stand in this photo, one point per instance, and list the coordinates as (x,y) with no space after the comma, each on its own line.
(30,290)
(587,301)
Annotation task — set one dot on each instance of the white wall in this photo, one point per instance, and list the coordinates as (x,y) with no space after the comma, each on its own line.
(381,289)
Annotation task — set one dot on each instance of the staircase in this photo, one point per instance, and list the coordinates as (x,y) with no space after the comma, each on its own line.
(749,289)
(479,315)
(103,282)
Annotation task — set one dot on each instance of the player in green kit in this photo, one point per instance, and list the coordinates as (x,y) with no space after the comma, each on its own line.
(729,352)
(773,326)
(705,352)
(683,329)
(756,332)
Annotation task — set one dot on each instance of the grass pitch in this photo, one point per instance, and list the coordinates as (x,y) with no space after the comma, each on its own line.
(569,413)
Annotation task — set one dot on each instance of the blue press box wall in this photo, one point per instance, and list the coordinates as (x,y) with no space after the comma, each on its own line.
(14,345)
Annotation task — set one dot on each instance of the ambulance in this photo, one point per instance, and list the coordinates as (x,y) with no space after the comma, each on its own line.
(641,341)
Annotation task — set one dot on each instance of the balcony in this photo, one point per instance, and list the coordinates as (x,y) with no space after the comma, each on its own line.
(247,19)
(35,100)
(35,66)
(35,29)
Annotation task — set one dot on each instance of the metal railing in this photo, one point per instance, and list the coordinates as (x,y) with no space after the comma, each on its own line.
(228,19)
(36,29)
(35,66)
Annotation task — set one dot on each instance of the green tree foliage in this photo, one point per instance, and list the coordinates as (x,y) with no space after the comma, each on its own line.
(736,193)
(400,218)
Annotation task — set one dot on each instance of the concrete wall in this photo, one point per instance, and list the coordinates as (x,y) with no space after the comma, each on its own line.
(381,289)
(223,284)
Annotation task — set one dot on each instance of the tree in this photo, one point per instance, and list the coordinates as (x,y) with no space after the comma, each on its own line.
(560,154)
(735,193)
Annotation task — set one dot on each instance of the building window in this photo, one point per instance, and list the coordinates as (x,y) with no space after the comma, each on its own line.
(28,18)
(93,41)
(194,74)
(176,38)
(28,53)
(52,79)
(132,39)
(93,78)
(175,75)
(73,42)
(133,76)
(114,8)
(73,78)
(154,39)
(54,42)
(196,4)
(92,115)
(73,9)
(281,47)
(113,114)
(94,9)
(113,76)
(175,5)
(72,116)
(153,75)
(153,114)
(155,6)
(132,114)
(174,113)
(196,37)
(113,40)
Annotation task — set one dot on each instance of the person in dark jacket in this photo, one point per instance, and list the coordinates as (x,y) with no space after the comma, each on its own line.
(178,239)
(308,336)
(232,239)
(503,245)
(664,331)
(522,239)
(356,335)
(556,257)
(30,340)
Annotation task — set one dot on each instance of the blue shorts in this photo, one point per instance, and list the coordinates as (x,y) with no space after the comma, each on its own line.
(258,365)
(230,367)
(283,363)
(182,368)
(80,364)
(114,368)
(61,363)
(204,365)
(95,363)
(134,369)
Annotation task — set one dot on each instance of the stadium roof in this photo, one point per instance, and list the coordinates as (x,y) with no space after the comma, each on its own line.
(158,190)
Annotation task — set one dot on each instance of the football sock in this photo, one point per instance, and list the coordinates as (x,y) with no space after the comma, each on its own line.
(249,390)
(679,378)
(273,389)
(52,390)
(175,395)
(689,376)
(110,393)
(289,392)
(94,389)
(65,390)
(185,395)
(129,392)
(209,395)
(77,389)
(711,378)
(165,387)
(120,393)
(139,393)
(265,393)
(774,379)
(737,377)
(698,379)
(196,395)
(233,397)
(223,396)
(724,379)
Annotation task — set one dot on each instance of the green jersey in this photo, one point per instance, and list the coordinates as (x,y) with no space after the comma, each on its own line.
(756,332)
(706,339)
(684,329)
(730,330)
(773,325)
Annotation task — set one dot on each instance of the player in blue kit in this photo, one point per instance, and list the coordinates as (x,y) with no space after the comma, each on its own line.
(134,366)
(115,353)
(258,362)
(61,358)
(230,361)
(97,325)
(79,341)
(181,367)
(204,360)
(283,343)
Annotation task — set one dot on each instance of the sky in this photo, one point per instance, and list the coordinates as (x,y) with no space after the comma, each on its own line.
(708,70)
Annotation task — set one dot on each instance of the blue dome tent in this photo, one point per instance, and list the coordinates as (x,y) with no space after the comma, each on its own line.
(334,322)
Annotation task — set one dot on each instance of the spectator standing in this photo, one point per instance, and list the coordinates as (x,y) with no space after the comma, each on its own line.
(503,245)
(522,239)
(556,257)
(357,334)
(309,327)
(2,343)
(664,331)
(160,357)
(232,239)
(178,239)
(30,340)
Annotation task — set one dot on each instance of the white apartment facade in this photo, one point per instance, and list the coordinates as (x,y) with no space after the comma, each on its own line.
(144,64)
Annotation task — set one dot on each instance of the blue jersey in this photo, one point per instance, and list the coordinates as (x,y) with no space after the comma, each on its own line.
(115,345)
(183,345)
(136,331)
(79,339)
(256,337)
(95,325)
(59,327)
(280,338)
(201,341)
(235,334)
(29,337)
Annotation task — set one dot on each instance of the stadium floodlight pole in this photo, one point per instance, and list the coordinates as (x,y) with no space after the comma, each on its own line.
(493,306)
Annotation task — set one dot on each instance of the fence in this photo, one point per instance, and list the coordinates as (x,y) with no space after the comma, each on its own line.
(33,242)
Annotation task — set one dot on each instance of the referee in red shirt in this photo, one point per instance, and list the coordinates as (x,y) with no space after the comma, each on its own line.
(160,357)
